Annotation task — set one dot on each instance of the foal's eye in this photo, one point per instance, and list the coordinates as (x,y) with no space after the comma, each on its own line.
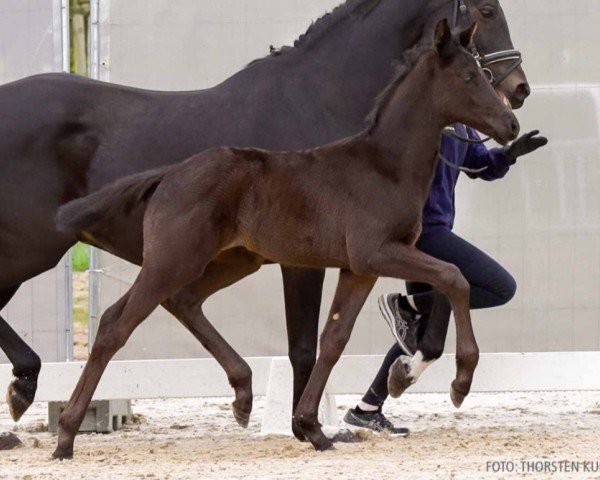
(487,13)
(468,76)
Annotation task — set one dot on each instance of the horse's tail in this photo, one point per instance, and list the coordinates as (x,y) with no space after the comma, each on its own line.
(102,207)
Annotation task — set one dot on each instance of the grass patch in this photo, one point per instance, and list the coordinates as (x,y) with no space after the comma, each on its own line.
(80,257)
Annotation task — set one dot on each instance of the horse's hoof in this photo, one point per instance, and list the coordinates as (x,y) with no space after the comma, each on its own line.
(60,454)
(399,378)
(456,397)
(9,441)
(242,417)
(341,435)
(19,397)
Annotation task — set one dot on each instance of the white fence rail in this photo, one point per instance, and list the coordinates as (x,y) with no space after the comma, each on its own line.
(144,379)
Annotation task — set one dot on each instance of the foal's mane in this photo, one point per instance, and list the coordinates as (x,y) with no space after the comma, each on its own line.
(326,24)
(404,67)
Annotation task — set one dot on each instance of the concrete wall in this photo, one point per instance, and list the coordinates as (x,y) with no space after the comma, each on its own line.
(542,222)
(30,43)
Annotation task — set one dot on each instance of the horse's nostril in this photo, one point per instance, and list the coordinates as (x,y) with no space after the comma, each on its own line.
(523,90)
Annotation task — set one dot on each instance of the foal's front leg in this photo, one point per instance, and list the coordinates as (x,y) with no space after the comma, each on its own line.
(405,262)
(350,296)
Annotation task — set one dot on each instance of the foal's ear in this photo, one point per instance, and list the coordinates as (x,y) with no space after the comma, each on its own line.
(467,36)
(443,40)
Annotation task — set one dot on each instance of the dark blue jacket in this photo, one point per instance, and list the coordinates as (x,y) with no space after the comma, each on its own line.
(439,211)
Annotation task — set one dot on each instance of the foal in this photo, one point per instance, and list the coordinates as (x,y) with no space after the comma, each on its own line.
(354,205)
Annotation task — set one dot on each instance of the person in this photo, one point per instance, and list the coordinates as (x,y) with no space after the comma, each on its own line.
(491,284)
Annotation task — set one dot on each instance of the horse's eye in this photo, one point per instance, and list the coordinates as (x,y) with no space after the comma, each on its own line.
(468,76)
(487,13)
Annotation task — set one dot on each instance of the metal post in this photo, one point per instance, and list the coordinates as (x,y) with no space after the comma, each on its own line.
(94,272)
(66,66)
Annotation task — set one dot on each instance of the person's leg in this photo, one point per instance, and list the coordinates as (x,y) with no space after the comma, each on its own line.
(367,414)
(491,284)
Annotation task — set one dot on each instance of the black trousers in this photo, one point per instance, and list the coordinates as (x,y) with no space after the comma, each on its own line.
(491,286)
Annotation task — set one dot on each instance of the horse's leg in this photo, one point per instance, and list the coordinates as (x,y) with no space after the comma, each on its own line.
(405,262)
(302,289)
(406,370)
(159,279)
(186,306)
(26,363)
(350,296)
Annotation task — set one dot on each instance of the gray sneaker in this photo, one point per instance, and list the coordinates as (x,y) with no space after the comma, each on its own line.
(375,421)
(403,323)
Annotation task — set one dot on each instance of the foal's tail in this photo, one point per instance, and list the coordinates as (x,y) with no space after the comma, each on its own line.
(104,206)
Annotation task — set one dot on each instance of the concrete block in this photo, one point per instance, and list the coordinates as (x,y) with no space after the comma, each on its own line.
(102,416)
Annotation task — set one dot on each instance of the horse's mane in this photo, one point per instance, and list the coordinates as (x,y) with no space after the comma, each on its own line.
(404,67)
(329,21)
(326,24)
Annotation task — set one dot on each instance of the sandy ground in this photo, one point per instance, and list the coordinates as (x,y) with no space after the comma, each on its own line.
(198,439)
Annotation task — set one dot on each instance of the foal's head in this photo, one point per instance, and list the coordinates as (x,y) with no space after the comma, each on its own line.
(449,86)
(462,92)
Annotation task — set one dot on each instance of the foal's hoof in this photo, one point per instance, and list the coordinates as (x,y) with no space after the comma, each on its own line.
(323,445)
(20,396)
(457,397)
(9,441)
(399,377)
(242,416)
(297,431)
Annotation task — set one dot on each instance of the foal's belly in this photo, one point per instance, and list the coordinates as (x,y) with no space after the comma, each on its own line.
(302,244)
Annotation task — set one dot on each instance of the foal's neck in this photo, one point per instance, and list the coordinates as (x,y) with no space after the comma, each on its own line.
(409,126)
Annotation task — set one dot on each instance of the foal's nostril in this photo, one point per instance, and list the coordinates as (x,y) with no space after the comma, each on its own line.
(514,128)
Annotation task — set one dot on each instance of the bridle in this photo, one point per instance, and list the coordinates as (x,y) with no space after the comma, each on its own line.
(462,17)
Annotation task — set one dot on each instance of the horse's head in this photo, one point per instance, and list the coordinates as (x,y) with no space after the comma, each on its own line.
(493,38)
(492,41)
(462,90)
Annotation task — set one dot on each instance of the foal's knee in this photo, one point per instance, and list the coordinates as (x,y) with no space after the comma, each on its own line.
(454,282)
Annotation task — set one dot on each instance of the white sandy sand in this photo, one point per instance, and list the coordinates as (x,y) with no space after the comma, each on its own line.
(198,439)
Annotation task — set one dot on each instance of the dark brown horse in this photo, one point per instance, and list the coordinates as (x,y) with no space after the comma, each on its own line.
(64,137)
(354,204)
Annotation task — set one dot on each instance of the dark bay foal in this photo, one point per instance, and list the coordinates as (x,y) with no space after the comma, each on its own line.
(355,205)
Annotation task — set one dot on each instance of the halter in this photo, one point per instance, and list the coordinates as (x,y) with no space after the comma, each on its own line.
(461,11)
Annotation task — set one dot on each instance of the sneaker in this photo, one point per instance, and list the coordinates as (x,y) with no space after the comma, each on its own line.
(404,323)
(375,421)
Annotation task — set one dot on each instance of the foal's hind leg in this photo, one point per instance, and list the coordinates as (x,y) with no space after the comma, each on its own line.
(350,296)
(302,289)
(26,363)
(154,284)
(186,306)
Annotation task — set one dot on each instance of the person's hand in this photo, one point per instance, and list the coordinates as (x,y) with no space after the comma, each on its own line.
(526,144)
